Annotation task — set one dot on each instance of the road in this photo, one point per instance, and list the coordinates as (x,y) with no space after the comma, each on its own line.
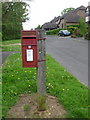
(72,53)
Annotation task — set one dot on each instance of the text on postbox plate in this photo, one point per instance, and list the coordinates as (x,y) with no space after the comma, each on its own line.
(29,54)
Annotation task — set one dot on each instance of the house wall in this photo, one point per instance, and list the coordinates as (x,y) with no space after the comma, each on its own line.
(62,24)
(72,23)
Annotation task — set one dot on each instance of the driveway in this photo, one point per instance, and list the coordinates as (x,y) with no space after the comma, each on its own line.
(71,53)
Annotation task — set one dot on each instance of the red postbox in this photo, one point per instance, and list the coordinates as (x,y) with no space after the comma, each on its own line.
(29,48)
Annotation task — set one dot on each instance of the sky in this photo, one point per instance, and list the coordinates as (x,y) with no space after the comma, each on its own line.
(42,11)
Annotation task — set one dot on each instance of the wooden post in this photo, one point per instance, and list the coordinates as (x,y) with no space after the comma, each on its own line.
(41,71)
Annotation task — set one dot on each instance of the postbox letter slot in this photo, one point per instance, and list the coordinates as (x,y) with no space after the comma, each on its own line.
(29,37)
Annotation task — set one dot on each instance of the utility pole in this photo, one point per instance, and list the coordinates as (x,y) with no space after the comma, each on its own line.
(88,19)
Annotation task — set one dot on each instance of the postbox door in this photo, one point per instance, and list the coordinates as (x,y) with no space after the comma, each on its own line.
(29,55)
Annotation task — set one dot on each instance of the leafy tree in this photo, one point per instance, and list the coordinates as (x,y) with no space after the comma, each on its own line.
(38,27)
(67,10)
(13,14)
(88,31)
(83,27)
(87,35)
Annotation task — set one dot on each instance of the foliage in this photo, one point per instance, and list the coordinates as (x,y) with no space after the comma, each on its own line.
(87,36)
(0,36)
(41,100)
(11,42)
(72,28)
(69,91)
(67,10)
(78,30)
(26,108)
(11,45)
(38,27)
(11,48)
(83,27)
(13,14)
(53,32)
(73,36)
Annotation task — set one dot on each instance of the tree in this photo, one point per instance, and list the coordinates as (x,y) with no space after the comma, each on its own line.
(67,10)
(38,27)
(88,32)
(13,14)
(83,27)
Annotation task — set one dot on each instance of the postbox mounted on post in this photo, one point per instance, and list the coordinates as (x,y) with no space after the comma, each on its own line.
(29,48)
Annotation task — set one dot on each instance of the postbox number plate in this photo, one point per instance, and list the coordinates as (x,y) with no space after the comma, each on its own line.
(29,54)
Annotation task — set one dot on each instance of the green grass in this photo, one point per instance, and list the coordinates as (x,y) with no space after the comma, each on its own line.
(11,42)
(69,91)
(11,48)
(0,92)
(7,45)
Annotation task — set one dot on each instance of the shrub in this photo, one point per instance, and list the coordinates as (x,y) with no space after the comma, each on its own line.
(0,36)
(9,32)
(73,36)
(53,32)
(83,27)
(87,34)
(78,30)
(72,28)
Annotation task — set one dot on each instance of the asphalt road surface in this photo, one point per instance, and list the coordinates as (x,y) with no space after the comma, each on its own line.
(72,53)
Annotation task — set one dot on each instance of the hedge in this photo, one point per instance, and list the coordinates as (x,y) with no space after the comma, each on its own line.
(53,32)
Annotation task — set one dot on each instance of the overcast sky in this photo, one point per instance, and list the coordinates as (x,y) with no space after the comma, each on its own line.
(42,11)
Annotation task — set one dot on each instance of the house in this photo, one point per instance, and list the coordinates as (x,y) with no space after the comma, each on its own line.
(87,19)
(56,20)
(72,17)
(53,24)
(49,26)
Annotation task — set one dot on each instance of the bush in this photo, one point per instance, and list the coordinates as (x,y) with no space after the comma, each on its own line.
(73,36)
(0,36)
(72,28)
(10,32)
(83,27)
(77,30)
(53,32)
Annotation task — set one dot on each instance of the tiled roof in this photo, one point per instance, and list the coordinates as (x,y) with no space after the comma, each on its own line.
(49,25)
(72,16)
(56,19)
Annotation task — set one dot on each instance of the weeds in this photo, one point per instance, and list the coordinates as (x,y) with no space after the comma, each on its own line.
(17,80)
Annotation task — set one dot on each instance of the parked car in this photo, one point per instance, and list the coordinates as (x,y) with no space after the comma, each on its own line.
(64,33)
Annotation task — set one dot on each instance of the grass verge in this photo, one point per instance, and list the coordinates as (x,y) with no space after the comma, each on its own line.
(7,45)
(0,92)
(11,48)
(10,42)
(69,91)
